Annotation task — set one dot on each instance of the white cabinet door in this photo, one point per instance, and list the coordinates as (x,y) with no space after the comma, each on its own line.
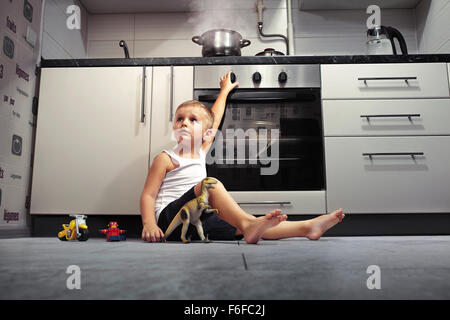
(171,87)
(290,202)
(388,183)
(92,149)
(448,72)
(401,117)
(384,81)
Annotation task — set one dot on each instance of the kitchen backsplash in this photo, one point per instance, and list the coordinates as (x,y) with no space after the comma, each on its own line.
(20,22)
(433,26)
(324,32)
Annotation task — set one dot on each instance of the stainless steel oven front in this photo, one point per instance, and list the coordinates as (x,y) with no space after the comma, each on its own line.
(268,151)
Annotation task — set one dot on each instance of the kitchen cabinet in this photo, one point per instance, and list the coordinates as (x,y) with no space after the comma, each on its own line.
(388,174)
(384,81)
(174,86)
(409,117)
(448,73)
(386,137)
(92,140)
(290,202)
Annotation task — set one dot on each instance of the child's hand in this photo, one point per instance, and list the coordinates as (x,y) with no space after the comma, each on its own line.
(225,83)
(152,233)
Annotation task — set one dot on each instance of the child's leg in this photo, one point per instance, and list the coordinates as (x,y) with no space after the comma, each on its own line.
(313,229)
(231,212)
(251,227)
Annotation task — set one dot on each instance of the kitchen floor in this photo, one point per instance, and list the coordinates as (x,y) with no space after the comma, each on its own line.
(395,267)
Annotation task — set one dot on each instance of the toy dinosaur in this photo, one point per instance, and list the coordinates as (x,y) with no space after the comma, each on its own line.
(191,212)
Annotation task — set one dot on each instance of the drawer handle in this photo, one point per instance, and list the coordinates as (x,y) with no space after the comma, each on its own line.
(386,78)
(266,202)
(412,154)
(143,95)
(409,116)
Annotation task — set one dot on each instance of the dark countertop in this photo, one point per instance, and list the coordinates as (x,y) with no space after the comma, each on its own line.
(230,60)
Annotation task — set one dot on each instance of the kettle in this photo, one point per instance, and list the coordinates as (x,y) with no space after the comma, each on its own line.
(381,41)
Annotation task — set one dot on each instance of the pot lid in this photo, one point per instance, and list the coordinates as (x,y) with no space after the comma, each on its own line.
(270,52)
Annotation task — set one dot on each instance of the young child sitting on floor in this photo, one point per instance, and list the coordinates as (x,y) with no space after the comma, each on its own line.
(175,175)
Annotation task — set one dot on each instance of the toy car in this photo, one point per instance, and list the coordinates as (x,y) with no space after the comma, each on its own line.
(113,233)
(75,230)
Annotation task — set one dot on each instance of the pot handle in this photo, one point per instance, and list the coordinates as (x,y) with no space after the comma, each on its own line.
(245,43)
(197,40)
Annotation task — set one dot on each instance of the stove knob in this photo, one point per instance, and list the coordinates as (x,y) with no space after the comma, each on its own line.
(282,77)
(233,77)
(256,77)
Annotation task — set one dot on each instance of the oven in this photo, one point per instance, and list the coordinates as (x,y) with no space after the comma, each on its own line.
(268,151)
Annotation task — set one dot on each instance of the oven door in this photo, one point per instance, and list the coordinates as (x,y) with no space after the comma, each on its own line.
(268,151)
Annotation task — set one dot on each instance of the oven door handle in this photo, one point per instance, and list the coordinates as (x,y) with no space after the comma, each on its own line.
(265,202)
(261,96)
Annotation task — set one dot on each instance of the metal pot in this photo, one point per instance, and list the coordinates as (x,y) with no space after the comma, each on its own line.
(221,42)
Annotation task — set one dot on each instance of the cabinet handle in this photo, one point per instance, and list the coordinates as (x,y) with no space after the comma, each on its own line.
(171,94)
(143,96)
(409,116)
(265,202)
(412,154)
(365,79)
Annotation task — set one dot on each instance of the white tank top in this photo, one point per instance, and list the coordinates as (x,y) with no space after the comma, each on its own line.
(180,179)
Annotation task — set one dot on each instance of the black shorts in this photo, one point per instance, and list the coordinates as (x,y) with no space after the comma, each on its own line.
(213,226)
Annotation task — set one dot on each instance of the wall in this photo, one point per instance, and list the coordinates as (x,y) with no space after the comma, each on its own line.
(433,26)
(58,41)
(324,32)
(17,123)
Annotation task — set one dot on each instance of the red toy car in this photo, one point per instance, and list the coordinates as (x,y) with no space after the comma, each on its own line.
(113,233)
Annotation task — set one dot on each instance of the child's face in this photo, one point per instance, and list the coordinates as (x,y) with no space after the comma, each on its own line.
(189,124)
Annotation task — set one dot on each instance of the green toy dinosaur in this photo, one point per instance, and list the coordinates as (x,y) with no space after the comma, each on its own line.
(191,212)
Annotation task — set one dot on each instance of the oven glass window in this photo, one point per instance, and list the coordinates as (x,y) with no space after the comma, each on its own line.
(269,145)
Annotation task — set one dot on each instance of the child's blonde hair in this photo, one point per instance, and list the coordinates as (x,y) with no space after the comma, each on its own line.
(209,115)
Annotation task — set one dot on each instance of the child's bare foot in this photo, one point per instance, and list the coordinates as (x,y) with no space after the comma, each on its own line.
(321,224)
(256,228)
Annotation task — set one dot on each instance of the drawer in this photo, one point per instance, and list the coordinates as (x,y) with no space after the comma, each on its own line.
(290,202)
(388,182)
(386,117)
(384,81)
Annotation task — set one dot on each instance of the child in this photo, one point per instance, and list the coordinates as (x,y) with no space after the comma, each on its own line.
(175,177)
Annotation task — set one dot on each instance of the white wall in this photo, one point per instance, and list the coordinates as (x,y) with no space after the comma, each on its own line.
(324,32)
(433,26)
(17,122)
(58,41)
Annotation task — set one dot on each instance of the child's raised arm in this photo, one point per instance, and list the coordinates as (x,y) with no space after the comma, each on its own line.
(219,105)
